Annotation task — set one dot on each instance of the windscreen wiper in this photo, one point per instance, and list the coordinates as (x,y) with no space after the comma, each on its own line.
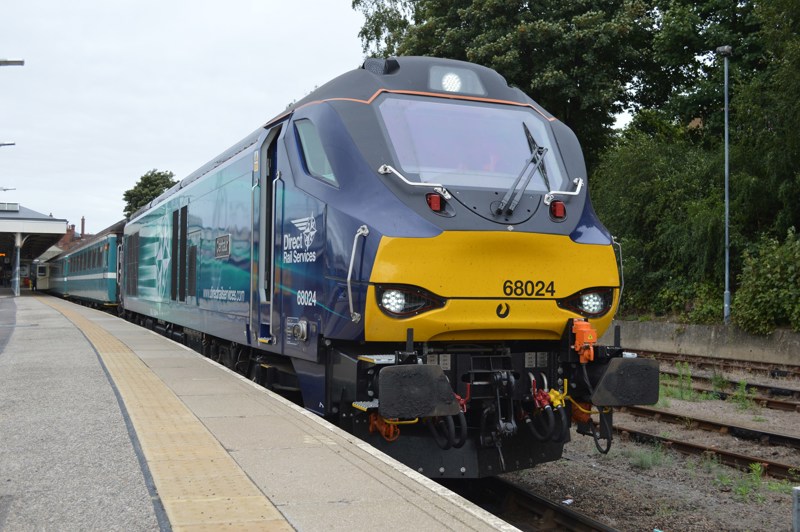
(536,159)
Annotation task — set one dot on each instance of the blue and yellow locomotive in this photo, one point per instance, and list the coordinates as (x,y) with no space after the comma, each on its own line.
(412,249)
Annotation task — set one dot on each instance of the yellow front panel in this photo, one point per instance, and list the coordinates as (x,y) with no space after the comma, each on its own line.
(470,270)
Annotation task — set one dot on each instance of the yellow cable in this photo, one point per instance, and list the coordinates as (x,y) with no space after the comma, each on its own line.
(398,422)
(579,407)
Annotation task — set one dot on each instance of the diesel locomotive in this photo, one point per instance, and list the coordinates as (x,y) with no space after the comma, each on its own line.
(411,250)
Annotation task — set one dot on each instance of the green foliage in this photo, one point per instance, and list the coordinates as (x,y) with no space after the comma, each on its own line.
(671,226)
(385,24)
(648,457)
(710,462)
(149,187)
(719,383)
(680,387)
(744,398)
(706,304)
(769,291)
(685,380)
(748,487)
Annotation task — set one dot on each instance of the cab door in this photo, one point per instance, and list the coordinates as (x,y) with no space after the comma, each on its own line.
(265,191)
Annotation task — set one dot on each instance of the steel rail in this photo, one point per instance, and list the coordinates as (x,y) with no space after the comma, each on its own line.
(764,389)
(746,433)
(703,362)
(766,402)
(523,508)
(775,470)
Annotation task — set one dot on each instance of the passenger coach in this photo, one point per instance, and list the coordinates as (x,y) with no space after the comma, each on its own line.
(89,271)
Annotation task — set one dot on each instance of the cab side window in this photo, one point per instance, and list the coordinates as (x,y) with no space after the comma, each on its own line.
(316,161)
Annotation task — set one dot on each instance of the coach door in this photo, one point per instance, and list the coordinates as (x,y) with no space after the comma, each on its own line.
(265,192)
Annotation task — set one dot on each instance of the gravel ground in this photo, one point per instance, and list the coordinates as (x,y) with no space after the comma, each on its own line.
(638,487)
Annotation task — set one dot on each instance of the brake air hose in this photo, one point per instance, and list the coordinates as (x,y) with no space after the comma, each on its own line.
(450,432)
(462,429)
(605,422)
(550,425)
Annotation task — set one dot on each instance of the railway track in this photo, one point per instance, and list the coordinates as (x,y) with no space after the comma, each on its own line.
(765,392)
(746,433)
(775,469)
(522,508)
(740,461)
(761,400)
(720,364)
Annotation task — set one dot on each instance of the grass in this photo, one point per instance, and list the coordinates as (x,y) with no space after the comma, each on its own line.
(680,387)
(719,383)
(648,457)
(747,486)
(744,398)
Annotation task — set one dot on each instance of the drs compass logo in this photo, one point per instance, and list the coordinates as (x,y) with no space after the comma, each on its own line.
(296,247)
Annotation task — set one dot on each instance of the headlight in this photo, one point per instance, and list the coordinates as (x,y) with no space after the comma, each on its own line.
(406,301)
(455,79)
(451,82)
(590,303)
(394,301)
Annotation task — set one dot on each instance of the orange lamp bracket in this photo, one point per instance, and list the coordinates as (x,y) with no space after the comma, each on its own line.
(585,340)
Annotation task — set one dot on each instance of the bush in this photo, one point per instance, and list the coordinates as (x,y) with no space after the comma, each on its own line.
(769,286)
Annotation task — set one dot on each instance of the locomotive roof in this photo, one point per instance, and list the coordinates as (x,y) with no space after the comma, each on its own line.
(406,74)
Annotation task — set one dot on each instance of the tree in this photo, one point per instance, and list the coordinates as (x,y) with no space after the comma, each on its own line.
(673,234)
(684,77)
(656,191)
(765,143)
(149,187)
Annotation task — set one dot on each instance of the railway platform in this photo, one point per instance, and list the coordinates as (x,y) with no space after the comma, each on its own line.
(107,426)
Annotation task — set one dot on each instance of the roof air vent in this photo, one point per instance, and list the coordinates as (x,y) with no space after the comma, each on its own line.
(381,66)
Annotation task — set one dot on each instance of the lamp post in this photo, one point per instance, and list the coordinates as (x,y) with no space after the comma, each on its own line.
(726,52)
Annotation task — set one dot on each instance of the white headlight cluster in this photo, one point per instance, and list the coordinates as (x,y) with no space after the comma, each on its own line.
(592,303)
(406,301)
(451,82)
(589,303)
(454,79)
(394,301)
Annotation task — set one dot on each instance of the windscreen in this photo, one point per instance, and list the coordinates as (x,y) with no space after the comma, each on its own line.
(469,144)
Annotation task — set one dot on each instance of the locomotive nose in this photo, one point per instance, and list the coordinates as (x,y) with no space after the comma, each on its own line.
(462,286)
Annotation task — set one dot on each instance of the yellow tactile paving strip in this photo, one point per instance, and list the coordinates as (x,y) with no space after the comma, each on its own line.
(200,485)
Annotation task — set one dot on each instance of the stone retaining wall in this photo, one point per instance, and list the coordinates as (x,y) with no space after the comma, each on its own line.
(781,347)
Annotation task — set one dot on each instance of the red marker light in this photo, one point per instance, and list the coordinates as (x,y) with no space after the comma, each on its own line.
(558,211)
(434,202)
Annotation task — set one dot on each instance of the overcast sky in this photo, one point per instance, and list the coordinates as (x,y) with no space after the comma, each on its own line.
(113,88)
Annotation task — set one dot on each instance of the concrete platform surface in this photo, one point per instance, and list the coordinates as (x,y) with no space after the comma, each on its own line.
(107,426)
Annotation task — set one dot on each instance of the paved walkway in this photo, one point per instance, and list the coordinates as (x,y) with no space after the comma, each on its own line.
(107,426)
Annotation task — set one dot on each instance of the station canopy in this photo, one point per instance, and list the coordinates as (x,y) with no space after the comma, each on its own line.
(37,231)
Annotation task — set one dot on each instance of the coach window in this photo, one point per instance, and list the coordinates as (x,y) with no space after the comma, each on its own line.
(314,157)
